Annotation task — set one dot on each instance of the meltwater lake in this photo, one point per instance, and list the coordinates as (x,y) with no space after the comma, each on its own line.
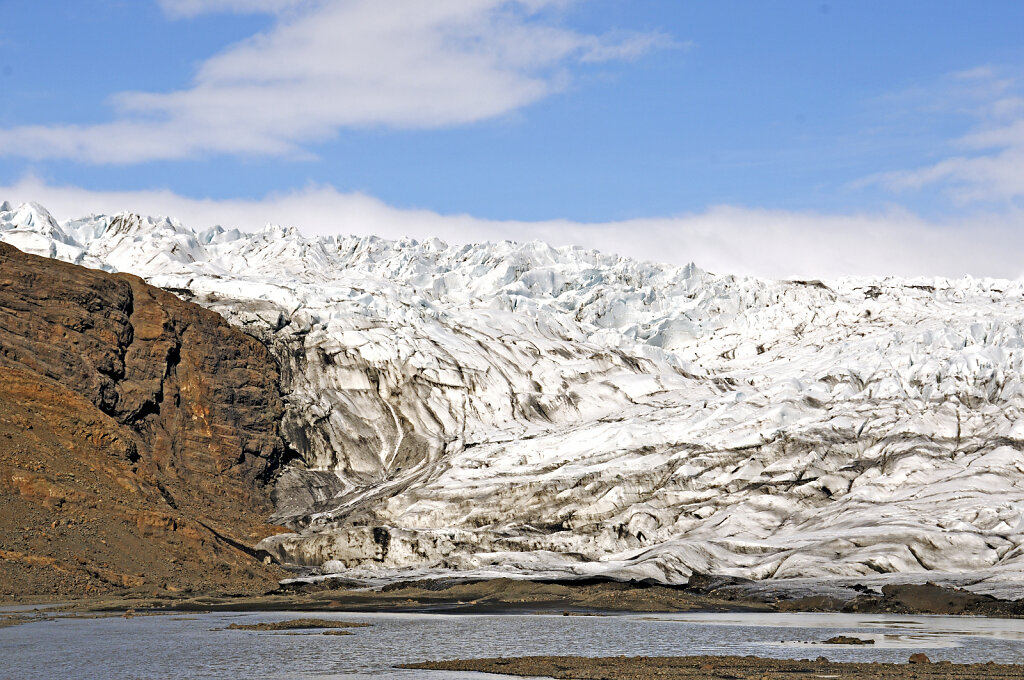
(197,646)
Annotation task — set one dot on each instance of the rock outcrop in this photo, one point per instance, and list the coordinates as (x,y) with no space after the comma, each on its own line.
(138,437)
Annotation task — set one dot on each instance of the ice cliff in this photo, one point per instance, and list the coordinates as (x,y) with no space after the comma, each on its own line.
(523,409)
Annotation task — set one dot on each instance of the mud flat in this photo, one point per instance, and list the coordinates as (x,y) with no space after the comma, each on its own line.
(706,667)
(296,624)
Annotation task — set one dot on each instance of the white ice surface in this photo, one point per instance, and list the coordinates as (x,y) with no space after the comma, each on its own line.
(507,408)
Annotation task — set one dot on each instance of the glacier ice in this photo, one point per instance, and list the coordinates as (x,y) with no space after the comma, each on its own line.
(518,409)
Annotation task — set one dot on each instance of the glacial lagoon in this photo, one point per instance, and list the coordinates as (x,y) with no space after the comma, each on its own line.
(180,645)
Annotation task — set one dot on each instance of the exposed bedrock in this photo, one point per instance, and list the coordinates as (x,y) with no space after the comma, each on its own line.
(141,435)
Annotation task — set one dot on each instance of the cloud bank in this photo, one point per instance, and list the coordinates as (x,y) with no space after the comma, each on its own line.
(326,65)
(725,240)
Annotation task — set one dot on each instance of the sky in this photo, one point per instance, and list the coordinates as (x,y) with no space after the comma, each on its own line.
(797,138)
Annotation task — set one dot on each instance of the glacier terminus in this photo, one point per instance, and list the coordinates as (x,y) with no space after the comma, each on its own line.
(524,410)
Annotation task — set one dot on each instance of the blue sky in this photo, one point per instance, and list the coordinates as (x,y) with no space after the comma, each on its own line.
(572,121)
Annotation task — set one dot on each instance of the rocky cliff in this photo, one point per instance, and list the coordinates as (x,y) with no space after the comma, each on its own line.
(138,437)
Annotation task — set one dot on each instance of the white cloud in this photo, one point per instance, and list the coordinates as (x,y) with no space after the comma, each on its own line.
(332,64)
(192,8)
(1010,108)
(969,179)
(992,170)
(725,239)
(1010,135)
(984,72)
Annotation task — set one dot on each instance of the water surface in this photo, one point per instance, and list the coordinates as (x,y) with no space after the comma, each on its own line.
(177,646)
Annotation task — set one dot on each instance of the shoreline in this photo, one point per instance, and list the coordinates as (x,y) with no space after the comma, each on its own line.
(694,667)
(514,596)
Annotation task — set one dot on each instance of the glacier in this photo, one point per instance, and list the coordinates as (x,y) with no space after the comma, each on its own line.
(523,410)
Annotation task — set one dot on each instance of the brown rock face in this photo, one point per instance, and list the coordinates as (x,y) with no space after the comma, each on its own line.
(130,414)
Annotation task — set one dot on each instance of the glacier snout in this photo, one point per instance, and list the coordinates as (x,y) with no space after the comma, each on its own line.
(522,409)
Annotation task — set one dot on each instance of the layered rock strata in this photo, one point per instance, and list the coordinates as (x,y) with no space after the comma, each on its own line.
(138,437)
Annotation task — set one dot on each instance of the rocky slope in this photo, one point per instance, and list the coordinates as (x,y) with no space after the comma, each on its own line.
(521,409)
(138,434)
